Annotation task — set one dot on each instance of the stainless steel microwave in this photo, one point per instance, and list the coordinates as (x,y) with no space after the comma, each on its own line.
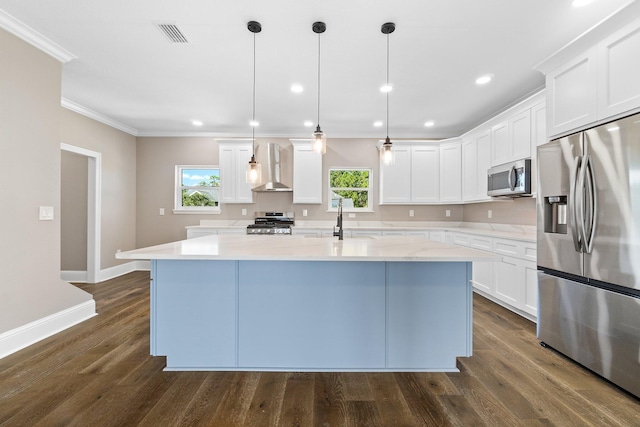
(510,179)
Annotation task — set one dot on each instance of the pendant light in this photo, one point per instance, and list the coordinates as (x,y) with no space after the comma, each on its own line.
(386,151)
(254,171)
(319,138)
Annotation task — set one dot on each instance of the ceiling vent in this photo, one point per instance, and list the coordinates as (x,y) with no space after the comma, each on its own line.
(172,32)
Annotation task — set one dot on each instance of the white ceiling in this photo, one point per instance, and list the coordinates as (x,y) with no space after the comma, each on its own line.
(129,72)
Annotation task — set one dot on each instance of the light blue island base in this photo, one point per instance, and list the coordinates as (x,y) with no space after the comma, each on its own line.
(311,315)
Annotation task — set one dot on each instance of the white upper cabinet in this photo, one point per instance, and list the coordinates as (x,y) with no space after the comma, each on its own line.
(619,72)
(476,160)
(571,94)
(594,79)
(307,173)
(425,174)
(395,178)
(520,135)
(414,177)
(234,156)
(451,172)
(469,169)
(483,142)
(500,143)
(538,126)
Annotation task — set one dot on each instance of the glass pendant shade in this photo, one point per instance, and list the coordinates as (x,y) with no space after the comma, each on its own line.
(319,141)
(386,152)
(254,171)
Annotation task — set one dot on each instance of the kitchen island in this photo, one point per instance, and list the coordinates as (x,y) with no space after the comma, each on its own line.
(288,303)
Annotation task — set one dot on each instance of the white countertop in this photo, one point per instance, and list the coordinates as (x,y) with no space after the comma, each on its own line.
(300,248)
(525,233)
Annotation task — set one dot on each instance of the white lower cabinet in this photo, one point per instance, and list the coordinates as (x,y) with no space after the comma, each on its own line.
(482,277)
(508,288)
(512,282)
(365,233)
(192,233)
(530,288)
(307,232)
(393,233)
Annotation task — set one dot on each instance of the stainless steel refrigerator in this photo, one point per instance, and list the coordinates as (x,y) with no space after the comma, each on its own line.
(588,210)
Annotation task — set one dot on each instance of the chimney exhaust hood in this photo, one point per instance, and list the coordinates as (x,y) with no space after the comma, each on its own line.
(273,171)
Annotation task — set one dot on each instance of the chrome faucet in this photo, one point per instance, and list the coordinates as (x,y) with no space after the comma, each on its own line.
(339,234)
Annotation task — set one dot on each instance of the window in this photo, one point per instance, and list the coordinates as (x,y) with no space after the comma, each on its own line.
(353,186)
(197,189)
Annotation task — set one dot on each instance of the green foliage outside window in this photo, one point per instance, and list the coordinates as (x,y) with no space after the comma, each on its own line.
(352,185)
(202,193)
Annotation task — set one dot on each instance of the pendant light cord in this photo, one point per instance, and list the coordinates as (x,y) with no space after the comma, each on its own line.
(388,86)
(253,122)
(318,79)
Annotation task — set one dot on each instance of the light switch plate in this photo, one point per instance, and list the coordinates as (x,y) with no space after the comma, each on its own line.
(161,211)
(447,212)
(46,213)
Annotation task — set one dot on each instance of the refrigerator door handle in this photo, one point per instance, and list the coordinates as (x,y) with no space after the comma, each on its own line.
(581,189)
(592,207)
(573,200)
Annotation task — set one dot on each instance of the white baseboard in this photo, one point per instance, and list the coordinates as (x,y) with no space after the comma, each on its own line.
(73,276)
(107,273)
(19,338)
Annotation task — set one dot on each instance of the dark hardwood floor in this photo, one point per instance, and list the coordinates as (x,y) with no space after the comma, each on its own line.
(99,373)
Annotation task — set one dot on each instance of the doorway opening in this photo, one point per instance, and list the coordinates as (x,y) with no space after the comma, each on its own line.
(93,177)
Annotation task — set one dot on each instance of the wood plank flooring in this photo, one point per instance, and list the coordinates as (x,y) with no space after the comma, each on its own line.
(99,373)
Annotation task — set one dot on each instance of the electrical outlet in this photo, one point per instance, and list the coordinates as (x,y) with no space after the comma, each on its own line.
(46,213)
(489,213)
(411,212)
(161,211)
(352,215)
(244,211)
(304,212)
(447,212)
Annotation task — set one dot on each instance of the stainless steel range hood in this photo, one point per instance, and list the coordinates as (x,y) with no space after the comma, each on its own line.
(273,171)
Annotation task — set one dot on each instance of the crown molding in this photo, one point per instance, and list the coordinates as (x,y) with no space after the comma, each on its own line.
(31,36)
(70,105)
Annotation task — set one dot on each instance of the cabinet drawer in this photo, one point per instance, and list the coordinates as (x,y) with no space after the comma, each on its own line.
(515,248)
(193,233)
(530,252)
(393,233)
(508,247)
(461,239)
(482,243)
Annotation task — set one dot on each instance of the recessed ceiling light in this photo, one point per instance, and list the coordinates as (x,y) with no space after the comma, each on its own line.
(580,3)
(254,123)
(429,123)
(308,123)
(377,123)
(196,123)
(386,88)
(483,80)
(296,88)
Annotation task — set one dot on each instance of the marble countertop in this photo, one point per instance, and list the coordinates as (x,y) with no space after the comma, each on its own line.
(526,233)
(300,248)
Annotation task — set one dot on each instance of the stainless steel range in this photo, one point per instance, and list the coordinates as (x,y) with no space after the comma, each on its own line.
(272,223)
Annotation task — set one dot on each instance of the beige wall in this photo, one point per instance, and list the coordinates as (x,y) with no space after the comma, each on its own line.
(73,211)
(30,285)
(520,211)
(157,158)
(118,150)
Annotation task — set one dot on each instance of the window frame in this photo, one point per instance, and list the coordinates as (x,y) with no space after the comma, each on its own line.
(178,187)
(369,189)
